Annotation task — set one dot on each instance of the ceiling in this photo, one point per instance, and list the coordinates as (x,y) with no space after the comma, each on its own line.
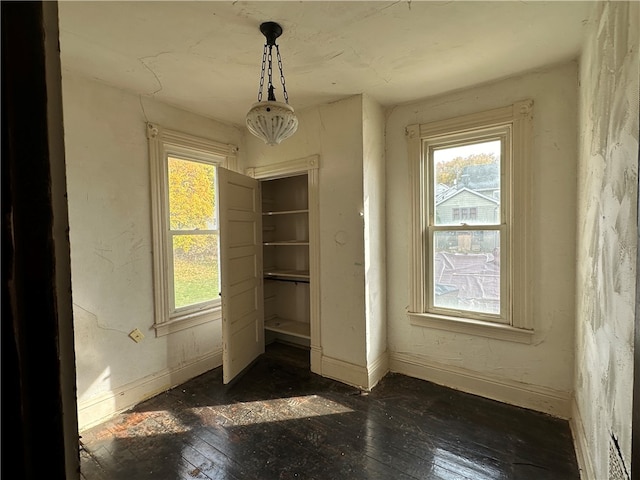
(205,56)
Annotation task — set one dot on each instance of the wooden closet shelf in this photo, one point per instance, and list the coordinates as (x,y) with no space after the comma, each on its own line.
(284,212)
(288,327)
(287,242)
(300,274)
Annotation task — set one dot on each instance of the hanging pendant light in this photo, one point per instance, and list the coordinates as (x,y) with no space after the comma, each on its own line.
(272,121)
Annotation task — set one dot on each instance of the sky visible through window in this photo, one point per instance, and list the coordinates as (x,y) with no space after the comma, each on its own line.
(449,153)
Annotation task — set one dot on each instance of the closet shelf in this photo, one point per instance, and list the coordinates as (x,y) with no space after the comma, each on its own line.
(288,275)
(284,212)
(287,242)
(274,272)
(288,327)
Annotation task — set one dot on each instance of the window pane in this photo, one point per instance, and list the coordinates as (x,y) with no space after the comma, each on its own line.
(191,195)
(195,269)
(467,184)
(466,270)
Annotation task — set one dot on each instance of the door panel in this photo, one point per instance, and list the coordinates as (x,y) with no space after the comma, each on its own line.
(240,272)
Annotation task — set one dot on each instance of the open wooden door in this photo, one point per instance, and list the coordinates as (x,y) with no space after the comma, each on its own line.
(240,208)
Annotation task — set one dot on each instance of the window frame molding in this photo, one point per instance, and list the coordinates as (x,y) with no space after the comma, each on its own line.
(519,117)
(163,142)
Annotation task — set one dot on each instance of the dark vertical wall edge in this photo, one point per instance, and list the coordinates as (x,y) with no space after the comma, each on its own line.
(37,433)
(62,253)
(635,426)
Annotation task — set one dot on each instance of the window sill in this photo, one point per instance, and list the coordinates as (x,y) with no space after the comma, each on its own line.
(472,327)
(188,321)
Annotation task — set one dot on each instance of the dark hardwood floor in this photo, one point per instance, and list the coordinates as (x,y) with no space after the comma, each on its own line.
(279,421)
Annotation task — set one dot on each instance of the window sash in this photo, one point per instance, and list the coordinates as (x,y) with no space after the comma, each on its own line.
(177,312)
(501,133)
(430,284)
(209,163)
(195,307)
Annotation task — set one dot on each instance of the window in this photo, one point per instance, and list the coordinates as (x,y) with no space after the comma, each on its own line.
(470,205)
(470,213)
(185,227)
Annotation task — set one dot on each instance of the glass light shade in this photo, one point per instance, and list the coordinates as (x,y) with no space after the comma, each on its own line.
(272,121)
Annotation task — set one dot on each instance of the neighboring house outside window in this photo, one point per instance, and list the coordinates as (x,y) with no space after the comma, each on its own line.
(470,254)
(185,227)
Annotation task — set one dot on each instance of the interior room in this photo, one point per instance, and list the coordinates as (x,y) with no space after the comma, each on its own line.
(378,89)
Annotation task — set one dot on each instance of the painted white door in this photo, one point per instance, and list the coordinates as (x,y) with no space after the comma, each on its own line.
(240,208)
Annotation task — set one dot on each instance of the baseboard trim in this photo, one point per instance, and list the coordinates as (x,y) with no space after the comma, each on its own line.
(345,372)
(533,397)
(103,407)
(580,443)
(316,359)
(378,369)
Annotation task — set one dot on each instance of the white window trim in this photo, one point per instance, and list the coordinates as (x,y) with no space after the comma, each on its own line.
(520,325)
(163,142)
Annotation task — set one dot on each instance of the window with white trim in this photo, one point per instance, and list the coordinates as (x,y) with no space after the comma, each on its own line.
(185,227)
(470,248)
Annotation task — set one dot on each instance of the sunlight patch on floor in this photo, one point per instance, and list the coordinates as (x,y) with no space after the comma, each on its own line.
(163,422)
(274,410)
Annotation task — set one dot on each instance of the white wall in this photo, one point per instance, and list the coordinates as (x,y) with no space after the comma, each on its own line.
(111,249)
(607,236)
(540,375)
(334,132)
(374,238)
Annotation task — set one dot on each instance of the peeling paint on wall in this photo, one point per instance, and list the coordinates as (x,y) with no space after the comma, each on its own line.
(607,232)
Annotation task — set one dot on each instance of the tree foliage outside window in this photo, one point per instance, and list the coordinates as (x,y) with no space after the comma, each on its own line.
(191,194)
(449,172)
(193,227)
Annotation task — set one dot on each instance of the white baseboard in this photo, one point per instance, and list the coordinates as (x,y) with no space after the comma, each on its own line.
(103,407)
(378,369)
(345,372)
(580,443)
(533,397)
(356,375)
(316,359)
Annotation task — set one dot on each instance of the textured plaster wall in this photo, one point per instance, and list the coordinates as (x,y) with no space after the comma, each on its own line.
(110,235)
(374,227)
(547,364)
(334,132)
(607,232)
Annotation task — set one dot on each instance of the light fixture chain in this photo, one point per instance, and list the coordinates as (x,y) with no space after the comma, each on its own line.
(264,61)
(269,67)
(284,88)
